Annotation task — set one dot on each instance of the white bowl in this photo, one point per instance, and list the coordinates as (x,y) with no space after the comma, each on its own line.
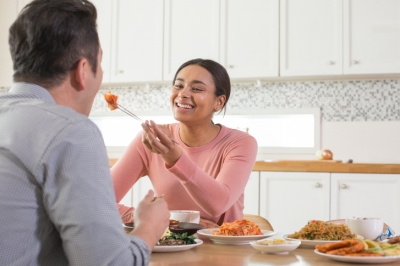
(276,248)
(369,228)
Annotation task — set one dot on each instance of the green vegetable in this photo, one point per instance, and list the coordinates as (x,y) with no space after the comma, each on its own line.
(188,239)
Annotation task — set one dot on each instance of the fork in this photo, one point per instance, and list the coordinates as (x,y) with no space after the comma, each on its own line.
(126,111)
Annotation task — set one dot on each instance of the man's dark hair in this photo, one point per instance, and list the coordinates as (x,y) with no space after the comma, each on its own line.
(49,38)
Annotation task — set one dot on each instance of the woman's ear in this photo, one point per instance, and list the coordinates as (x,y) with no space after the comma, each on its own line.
(220,103)
(80,74)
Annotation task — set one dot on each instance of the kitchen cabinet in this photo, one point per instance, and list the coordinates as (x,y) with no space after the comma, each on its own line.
(310,37)
(335,37)
(136,46)
(250,38)
(366,195)
(8,14)
(191,30)
(252,194)
(371,36)
(131,36)
(104,28)
(290,199)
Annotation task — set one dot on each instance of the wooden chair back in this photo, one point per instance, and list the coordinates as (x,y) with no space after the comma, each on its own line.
(260,221)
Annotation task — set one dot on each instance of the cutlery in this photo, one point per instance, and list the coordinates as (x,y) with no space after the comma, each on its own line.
(126,111)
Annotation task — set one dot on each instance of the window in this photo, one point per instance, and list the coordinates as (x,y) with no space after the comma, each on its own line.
(276,130)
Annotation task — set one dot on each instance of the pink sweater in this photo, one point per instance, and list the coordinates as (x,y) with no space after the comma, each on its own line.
(210,178)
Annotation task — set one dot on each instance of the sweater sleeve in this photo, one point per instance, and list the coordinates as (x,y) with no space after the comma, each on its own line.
(215,196)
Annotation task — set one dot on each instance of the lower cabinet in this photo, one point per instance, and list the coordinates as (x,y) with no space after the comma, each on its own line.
(366,195)
(290,199)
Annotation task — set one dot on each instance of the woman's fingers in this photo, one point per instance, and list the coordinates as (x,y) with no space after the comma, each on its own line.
(154,138)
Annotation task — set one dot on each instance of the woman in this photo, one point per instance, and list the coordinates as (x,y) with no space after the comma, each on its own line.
(209,165)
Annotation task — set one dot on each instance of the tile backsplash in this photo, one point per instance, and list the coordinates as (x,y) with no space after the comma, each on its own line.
(361,100)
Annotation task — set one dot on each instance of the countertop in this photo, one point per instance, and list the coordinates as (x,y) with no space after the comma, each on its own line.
(331,167)
(320,166)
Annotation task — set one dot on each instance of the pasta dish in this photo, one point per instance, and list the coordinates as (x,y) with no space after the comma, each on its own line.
(320,230)
(238,228)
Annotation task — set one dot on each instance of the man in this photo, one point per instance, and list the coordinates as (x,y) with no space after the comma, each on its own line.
(57,204)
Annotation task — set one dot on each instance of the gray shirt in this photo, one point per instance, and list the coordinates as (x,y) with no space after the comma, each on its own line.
(57,203)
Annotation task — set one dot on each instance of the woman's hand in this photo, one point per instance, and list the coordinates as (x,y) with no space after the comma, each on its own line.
(157,138)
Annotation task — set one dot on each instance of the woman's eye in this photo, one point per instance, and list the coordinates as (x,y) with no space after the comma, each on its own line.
(196,89)
(178,86)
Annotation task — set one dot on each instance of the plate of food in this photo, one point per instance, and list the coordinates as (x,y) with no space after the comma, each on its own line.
(318,232)
(239,232)
(277,245)
(173,242)
(360,251)
(175,248)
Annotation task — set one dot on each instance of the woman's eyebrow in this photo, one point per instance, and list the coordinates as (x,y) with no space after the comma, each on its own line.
(194,81)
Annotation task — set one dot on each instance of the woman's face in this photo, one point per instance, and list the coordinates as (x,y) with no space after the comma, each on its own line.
(193,97)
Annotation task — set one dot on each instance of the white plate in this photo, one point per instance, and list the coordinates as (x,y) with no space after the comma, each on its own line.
(234,240)
(313,243)
(277,248)
(366,260)
(177,248)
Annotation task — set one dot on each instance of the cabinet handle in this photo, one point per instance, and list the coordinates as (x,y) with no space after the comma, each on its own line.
(231,66)
(121,71)
(355,62)
(317,185)
(343,186)
(331,63)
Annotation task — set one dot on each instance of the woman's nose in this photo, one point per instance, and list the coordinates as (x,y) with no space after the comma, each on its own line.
(185,92)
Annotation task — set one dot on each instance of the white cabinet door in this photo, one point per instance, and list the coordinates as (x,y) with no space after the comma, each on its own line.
(371,36)
(366,195)
(311,37)
(191,31)
(104,27)
(252,194)
(250,38)
(137,34)
(8,14)
(290,199)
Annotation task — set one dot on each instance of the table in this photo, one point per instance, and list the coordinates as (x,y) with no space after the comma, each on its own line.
(210,254)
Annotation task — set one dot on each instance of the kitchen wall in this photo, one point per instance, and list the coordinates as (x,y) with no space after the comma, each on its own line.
(360,118)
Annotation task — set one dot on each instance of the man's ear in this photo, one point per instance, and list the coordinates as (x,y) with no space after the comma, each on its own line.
(79,77)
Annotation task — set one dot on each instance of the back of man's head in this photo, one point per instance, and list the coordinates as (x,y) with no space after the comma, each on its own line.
(49,38)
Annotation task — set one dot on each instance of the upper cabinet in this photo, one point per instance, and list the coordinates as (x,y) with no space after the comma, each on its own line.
(335,37)
(310,37)
(371,36)
(250,38)
(147,41)
(131,35)
(191,30)
(137,37)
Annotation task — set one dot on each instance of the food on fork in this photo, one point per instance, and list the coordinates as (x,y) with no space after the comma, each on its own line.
(320,230)
(238,228)
(111,100)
